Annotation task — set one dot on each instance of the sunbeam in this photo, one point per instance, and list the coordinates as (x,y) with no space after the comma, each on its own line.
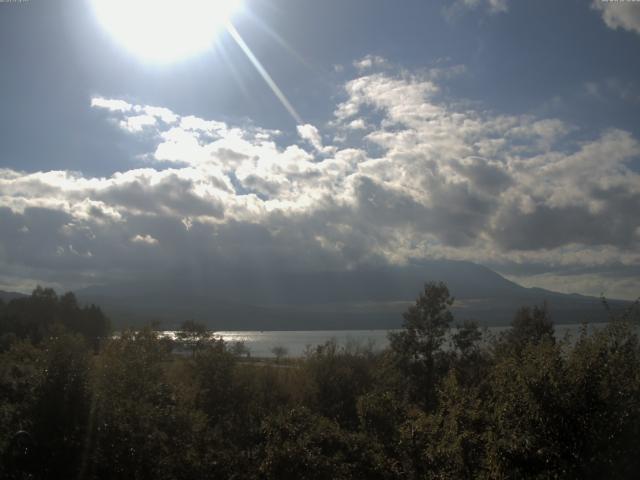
(263,72)
(169,30)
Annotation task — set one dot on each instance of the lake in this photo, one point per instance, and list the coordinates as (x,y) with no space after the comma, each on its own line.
(261,343)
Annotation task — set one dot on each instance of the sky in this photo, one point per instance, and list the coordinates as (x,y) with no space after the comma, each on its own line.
(500,132)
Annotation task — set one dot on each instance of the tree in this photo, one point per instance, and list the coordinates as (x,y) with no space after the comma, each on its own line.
(471,361)
(21,375)
(140,430)
(529,326)
(302,445)
(62,408)
(467,338)
(338,376)
(279,352)
(213,368)
(194,335)
(44,314)
(417,348)
(381,414)
(603,390)
(240,349)
(451,442)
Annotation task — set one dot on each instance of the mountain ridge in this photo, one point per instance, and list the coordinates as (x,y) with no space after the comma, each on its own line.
(7,296)
(367,298)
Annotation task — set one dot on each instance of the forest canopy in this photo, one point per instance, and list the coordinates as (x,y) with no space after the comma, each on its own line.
(45,314)
(444,401)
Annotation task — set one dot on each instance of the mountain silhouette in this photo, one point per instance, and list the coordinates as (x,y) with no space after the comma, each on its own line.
(8,296)
(367,298)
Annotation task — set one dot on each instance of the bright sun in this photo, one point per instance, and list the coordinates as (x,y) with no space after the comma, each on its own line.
(164,30)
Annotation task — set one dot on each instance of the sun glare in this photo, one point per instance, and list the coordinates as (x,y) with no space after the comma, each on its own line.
(165,30)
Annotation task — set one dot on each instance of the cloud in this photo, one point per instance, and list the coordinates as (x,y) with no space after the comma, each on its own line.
(458,7)
(623,15)
(134,118)
(422,176)
(312,135)
(144,239)
(113,105)
(370,61)
(596,284)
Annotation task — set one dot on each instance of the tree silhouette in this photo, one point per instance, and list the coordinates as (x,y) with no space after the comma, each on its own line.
(279,352)
(417,348)
(194,335)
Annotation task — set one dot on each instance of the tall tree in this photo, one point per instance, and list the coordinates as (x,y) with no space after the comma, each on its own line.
(417,349)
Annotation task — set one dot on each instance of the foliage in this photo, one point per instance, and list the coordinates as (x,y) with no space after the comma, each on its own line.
(21,372)
(529,326)
(302,445)
(140,429)
(451,442)
(441,402)
(44,314)
(279,352)
(62,406)
(193,335)
(417,348)
(338,376)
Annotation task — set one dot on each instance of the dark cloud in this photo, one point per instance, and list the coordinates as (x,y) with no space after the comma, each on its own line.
(487,177)
(170,195)
(548,228)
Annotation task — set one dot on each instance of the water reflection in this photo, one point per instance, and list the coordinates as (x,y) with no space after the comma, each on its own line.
(262,343)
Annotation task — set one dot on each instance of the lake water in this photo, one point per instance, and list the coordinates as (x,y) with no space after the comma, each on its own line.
(261,343)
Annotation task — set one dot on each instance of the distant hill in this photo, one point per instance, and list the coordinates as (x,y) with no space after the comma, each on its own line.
(8,296)
(359,299)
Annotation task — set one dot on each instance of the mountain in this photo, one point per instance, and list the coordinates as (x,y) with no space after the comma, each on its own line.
(231,299)
(8,296)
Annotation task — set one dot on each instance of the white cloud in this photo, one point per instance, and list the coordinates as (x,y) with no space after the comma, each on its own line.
(113,105)
(135,117)
(370,61)
(623,15)
(312,135)
(420,179)
(144,239)
(357,124)
(459,7)
(137,123)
